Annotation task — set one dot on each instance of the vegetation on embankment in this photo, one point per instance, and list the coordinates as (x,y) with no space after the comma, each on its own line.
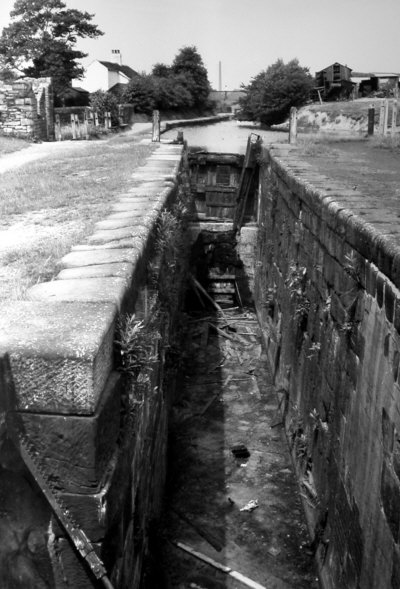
(349,115)
(48,206)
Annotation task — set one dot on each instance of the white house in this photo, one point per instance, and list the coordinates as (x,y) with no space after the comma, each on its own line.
(103,75)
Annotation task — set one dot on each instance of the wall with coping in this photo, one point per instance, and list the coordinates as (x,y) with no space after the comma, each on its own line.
(97,426)
(327,294)
(26,108)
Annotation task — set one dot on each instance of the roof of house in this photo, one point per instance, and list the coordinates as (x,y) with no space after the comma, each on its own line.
(116,67)
(117,88)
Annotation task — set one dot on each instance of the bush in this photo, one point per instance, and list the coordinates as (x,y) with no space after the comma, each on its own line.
(104,102)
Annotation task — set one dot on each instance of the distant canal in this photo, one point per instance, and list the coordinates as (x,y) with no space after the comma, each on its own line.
(224,137)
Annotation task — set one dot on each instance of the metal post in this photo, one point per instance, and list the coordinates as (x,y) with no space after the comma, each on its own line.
(293,125)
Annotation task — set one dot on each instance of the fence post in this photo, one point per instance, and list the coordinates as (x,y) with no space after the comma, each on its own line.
(394,117)
(73,126)
(120,115)
(371,119)
(386,117)
(78,127)
(107,120)
(382,119)
(58,127)
(85,124)
(156,126)
(293,125)
(96,118)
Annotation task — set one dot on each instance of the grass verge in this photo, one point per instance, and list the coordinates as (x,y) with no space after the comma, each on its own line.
(48,206)
(11,144)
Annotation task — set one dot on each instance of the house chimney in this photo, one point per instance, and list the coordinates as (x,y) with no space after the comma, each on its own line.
(116,53)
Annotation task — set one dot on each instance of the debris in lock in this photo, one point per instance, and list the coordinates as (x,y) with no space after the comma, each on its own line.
(226,459)
(217,565)
(240,451)
(250,506)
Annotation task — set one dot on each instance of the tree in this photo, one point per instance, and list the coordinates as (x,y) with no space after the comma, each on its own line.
(141,92)
(189,64)
(41,39)
(161,70)
(272,93)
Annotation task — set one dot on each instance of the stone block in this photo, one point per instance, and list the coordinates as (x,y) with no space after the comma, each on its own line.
(380,288)
(390,498)
(95,257)
(110,235)
(118,269)
(390,300)
(76,450)
(88,290)
(60,355)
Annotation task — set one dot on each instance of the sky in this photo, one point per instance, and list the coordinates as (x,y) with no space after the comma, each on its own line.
(246,36)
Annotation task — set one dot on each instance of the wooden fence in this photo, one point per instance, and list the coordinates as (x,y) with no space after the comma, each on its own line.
(80,124)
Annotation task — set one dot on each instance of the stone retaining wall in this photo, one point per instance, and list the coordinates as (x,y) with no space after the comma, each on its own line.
(327,292)
(26,108)
(95,418)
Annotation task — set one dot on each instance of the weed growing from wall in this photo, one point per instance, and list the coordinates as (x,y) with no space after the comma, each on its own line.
(137,341)
(296,284)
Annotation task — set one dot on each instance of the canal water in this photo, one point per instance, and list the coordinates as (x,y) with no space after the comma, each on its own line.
(224,137)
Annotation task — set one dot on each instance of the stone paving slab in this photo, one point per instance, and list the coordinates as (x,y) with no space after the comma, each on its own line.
(133,243)
(129,215)
(106,235)
(127,221)
(94,257)
(131,206)
(121,270)
(88,290)
(60,355)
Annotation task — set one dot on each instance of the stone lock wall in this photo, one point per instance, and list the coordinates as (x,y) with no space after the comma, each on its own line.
(26,108)
(94,416)
(327,294)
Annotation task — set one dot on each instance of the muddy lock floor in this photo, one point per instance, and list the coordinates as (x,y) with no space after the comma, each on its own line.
(232,493)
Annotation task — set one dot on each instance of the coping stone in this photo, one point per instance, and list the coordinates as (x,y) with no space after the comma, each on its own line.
(106,235)
(135,243)
(88,290)
(60,355)
(119,269)
(94,257)
(131,206)
(119,223)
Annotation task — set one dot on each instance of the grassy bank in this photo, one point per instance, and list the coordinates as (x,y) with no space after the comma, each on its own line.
(48,206)
(11,144)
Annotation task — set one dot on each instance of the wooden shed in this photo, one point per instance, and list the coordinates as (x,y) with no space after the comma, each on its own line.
(334,81)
